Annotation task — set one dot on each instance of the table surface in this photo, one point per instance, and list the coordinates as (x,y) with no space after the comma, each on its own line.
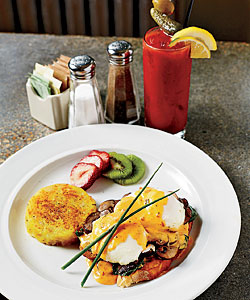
(218,119)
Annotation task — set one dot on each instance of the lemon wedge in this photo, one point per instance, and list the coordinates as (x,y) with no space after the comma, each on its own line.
(198,48)
(199,33)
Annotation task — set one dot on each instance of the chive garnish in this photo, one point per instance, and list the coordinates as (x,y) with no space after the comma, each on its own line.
(113,229)
(109,230)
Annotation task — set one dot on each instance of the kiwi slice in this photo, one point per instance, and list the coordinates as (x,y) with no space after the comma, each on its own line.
(137,172)
(121,166)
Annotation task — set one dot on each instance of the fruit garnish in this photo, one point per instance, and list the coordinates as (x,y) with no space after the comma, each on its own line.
(121,166)
(199,33)
(198,48)
(168,25)
(84,175)
(125,169)
(122,169)
(93,159)
(137,173)
(103,155)
(164,6)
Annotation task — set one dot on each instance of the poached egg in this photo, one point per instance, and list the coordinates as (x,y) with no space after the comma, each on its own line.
(163,221)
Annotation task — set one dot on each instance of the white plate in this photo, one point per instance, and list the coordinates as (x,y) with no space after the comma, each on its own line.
(31,270)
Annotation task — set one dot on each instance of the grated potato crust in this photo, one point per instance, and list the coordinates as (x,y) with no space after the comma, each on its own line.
(55,212)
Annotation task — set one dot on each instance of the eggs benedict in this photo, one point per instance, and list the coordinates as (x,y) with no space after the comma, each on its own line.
(145,245)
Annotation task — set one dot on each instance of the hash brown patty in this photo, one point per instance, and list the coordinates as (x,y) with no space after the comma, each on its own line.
(55,212)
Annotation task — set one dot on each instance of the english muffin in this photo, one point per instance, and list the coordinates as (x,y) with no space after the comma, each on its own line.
(55,212)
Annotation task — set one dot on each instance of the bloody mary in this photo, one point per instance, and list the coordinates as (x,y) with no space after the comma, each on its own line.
(166,82)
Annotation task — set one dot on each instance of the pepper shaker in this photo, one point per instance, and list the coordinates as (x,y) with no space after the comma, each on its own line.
(122,101)
(85,106)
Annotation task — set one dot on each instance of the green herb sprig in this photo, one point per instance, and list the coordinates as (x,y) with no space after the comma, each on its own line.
(113,229)
(79,254)
(109,230)
(133,267)
(194,214)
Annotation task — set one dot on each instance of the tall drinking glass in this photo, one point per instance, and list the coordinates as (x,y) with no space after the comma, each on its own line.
(166,82)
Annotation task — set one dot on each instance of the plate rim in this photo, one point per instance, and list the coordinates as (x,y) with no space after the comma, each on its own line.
(128,127)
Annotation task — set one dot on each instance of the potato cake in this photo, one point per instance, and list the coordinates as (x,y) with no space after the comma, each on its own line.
(55,212)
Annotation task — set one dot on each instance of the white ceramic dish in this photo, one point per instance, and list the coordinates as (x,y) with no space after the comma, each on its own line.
(31,270)
(52,111)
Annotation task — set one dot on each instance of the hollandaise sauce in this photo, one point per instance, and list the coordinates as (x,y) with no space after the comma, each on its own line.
(162,222)
(103,272)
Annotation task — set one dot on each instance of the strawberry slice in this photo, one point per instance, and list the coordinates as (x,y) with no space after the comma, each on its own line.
(94,159)
(103,155)
(84,175)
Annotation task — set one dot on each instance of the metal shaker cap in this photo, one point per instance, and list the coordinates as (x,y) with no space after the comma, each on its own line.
(82,67)
(120,52)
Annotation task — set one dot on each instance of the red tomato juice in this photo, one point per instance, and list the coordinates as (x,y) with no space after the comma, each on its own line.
(166,82)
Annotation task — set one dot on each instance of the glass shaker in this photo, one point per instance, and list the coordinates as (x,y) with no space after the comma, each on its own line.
(85,105)
(122,101)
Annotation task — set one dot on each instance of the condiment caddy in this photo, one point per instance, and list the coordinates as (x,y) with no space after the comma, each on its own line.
(65,94)
(52,111)
(48,93)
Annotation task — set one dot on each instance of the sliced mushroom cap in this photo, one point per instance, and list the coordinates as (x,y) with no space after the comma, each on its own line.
(108,205)
(89,255)
(188,211)
(104,212)
(167,252)
(87,227)
(105,208)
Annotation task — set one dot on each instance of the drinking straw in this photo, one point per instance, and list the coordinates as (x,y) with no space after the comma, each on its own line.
(188,13)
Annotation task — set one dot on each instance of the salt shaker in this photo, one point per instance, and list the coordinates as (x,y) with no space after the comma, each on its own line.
(122,101)
(85,106)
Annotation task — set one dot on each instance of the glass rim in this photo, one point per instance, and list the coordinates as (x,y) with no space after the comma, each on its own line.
(162,49)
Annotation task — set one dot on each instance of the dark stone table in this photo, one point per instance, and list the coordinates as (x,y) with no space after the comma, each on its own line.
(218,121)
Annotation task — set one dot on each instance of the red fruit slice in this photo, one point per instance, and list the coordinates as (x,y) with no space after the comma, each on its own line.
(104,156)
(94,159)
(84,175)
